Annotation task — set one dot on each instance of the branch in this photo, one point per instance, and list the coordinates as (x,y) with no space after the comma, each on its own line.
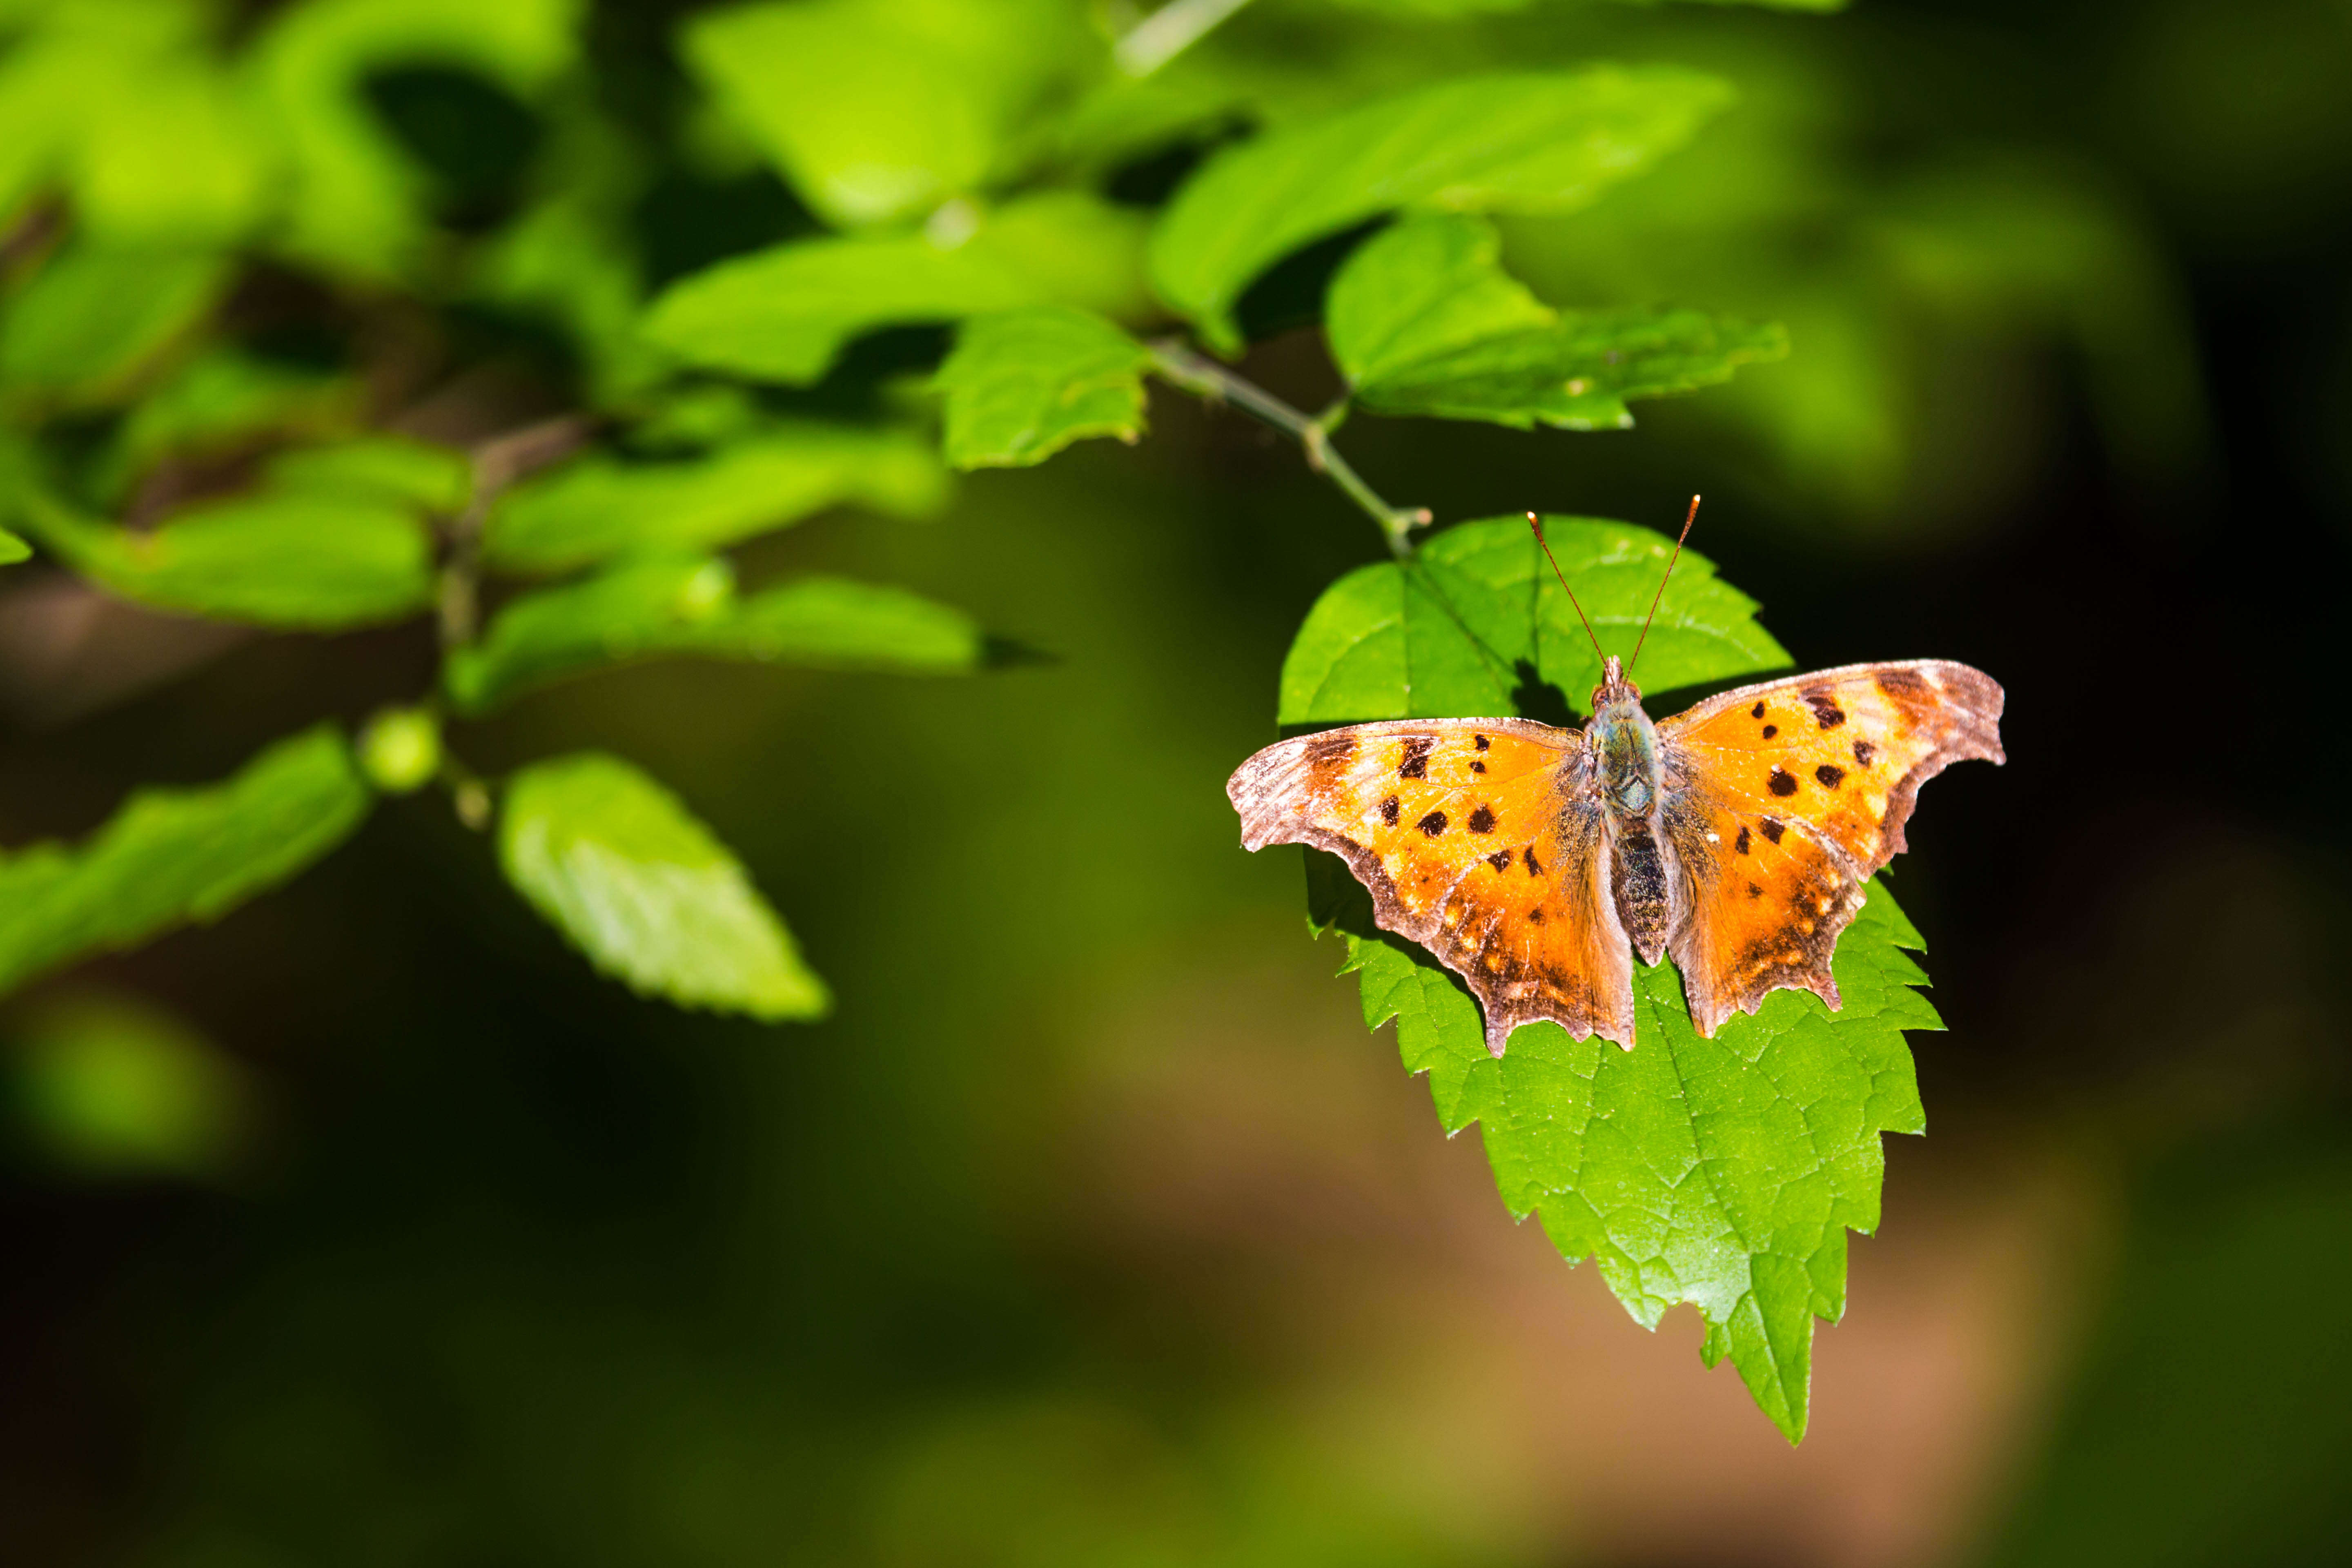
(499,462)
(1206,378)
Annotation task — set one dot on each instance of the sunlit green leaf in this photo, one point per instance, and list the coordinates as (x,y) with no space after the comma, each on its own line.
(1724,1173)
(883,108)
(223,402)
(94,315)
(1073,249)
(598,507)
(1577,373)
(377,468)
(172,856)
(1023,384)
(168,151)
(618,863)
(1545,142)
(286,560)
(826,622)
(1422,289)
(783,314)
(357,199)
(572,262)
(633,610)
(1476,623)
(12,549)
(689,607)
(124,109)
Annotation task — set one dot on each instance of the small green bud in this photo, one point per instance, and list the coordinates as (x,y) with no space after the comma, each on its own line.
(400,750)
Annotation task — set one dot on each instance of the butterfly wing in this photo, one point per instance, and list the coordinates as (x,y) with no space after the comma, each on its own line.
(1478,838)
(1781,801)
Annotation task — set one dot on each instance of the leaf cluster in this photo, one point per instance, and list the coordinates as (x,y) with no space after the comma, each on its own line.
(217,242)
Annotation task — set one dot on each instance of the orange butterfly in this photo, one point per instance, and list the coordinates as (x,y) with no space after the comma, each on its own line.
(1738,835)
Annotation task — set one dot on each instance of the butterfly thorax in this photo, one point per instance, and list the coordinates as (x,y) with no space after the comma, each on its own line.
(1625,764)
(1624,744)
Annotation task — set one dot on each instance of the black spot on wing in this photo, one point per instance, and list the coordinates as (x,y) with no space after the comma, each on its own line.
(1781,783)
(1416,757)
(1863,752)
(1831,775)
(1477,766)
(1536,916)
(1757,711)
(1771,731)
(1825,709)
(1754,891)
(1433,824)
(1389,811)
(1500,860)
(1772,829)
(1535,867)
(1482,820)
(1479,741)
(1743,843)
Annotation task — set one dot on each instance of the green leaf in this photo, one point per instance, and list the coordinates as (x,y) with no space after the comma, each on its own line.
(626,613)
(95,315)
(377,468)
(357,200)
(170,858)
(826,622)
(170,151)
(672,608)
(124,109)
(1474,624)
(1577,373)
(220,404)
(1023,384)
(597,507)
(783,314)
(1420,290)
(12,549)
(1724,1172)
(618,865)
(288,559)
(883,108)
(1546,142)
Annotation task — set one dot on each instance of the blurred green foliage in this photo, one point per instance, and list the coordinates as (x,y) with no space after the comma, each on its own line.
(529,329)
(106,1085)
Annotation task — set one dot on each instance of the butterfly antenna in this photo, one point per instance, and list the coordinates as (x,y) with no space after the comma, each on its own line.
(1536,523)
(1659,597)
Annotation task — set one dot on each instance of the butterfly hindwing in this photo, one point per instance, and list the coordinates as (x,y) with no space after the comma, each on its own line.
(1782,799)
(1477,840)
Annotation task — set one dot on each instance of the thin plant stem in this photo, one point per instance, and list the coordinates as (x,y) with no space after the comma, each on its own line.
(497,462)
(1206,378)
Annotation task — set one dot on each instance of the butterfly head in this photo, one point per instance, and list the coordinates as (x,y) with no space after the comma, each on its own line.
(1613,688)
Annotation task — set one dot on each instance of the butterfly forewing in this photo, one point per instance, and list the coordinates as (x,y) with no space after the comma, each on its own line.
(1478,839)
(1782,799)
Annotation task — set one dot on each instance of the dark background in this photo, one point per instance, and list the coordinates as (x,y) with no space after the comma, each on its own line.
(1093,1228)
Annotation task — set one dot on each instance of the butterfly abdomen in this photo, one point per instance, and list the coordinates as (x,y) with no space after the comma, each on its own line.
(1629,774)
